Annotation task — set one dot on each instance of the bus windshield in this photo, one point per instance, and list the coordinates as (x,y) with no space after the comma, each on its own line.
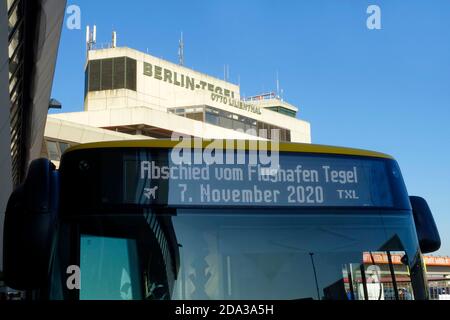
(316,226)
(250,255)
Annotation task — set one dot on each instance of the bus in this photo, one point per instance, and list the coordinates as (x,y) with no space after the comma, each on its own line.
(221,220)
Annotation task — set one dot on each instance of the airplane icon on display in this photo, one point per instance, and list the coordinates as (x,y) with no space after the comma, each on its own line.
(150,193)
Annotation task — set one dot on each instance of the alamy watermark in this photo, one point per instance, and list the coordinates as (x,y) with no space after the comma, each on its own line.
(73,21)
(373,21)
(258,151)
(74,277)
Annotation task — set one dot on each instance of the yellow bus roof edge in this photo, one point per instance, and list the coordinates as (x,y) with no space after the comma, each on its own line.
(249,145)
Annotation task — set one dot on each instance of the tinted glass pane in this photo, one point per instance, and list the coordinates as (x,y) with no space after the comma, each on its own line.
(63,146)
(212,118)
(238,125)
(86,81)
(226,122)
(287,112)
(109,269)
(131,74)
(195,116)
(250,129)
(94,75)
(212,110)
(288,135)
(119,73)
(107,74)
(52,150)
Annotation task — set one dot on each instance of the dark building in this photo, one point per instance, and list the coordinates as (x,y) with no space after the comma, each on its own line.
(30,31)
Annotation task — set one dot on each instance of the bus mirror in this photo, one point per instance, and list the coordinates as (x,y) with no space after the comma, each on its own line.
(427,231)
(29,229)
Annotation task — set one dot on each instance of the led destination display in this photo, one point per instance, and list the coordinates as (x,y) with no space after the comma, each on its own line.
(297,180)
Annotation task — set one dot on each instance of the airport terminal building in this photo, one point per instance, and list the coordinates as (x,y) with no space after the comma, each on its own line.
(133,95)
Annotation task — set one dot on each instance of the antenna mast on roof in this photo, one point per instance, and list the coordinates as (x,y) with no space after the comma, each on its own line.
(226,72)
(280,91)
(181,50)
(91,37)
(114,39)
(278,85)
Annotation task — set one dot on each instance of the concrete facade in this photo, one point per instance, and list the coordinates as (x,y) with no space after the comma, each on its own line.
(160,90)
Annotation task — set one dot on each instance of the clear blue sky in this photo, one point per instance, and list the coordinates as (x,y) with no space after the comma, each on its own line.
(386,90)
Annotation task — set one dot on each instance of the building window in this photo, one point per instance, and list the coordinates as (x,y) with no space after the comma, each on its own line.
(239,125)
(63,147)
(225,122)
(285,111)
(179,111)
(107,74)
(195,116)
(131,74)
(212,118)
(55,149)
(94,69)
(113,73)
(232,121)
(119,73)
